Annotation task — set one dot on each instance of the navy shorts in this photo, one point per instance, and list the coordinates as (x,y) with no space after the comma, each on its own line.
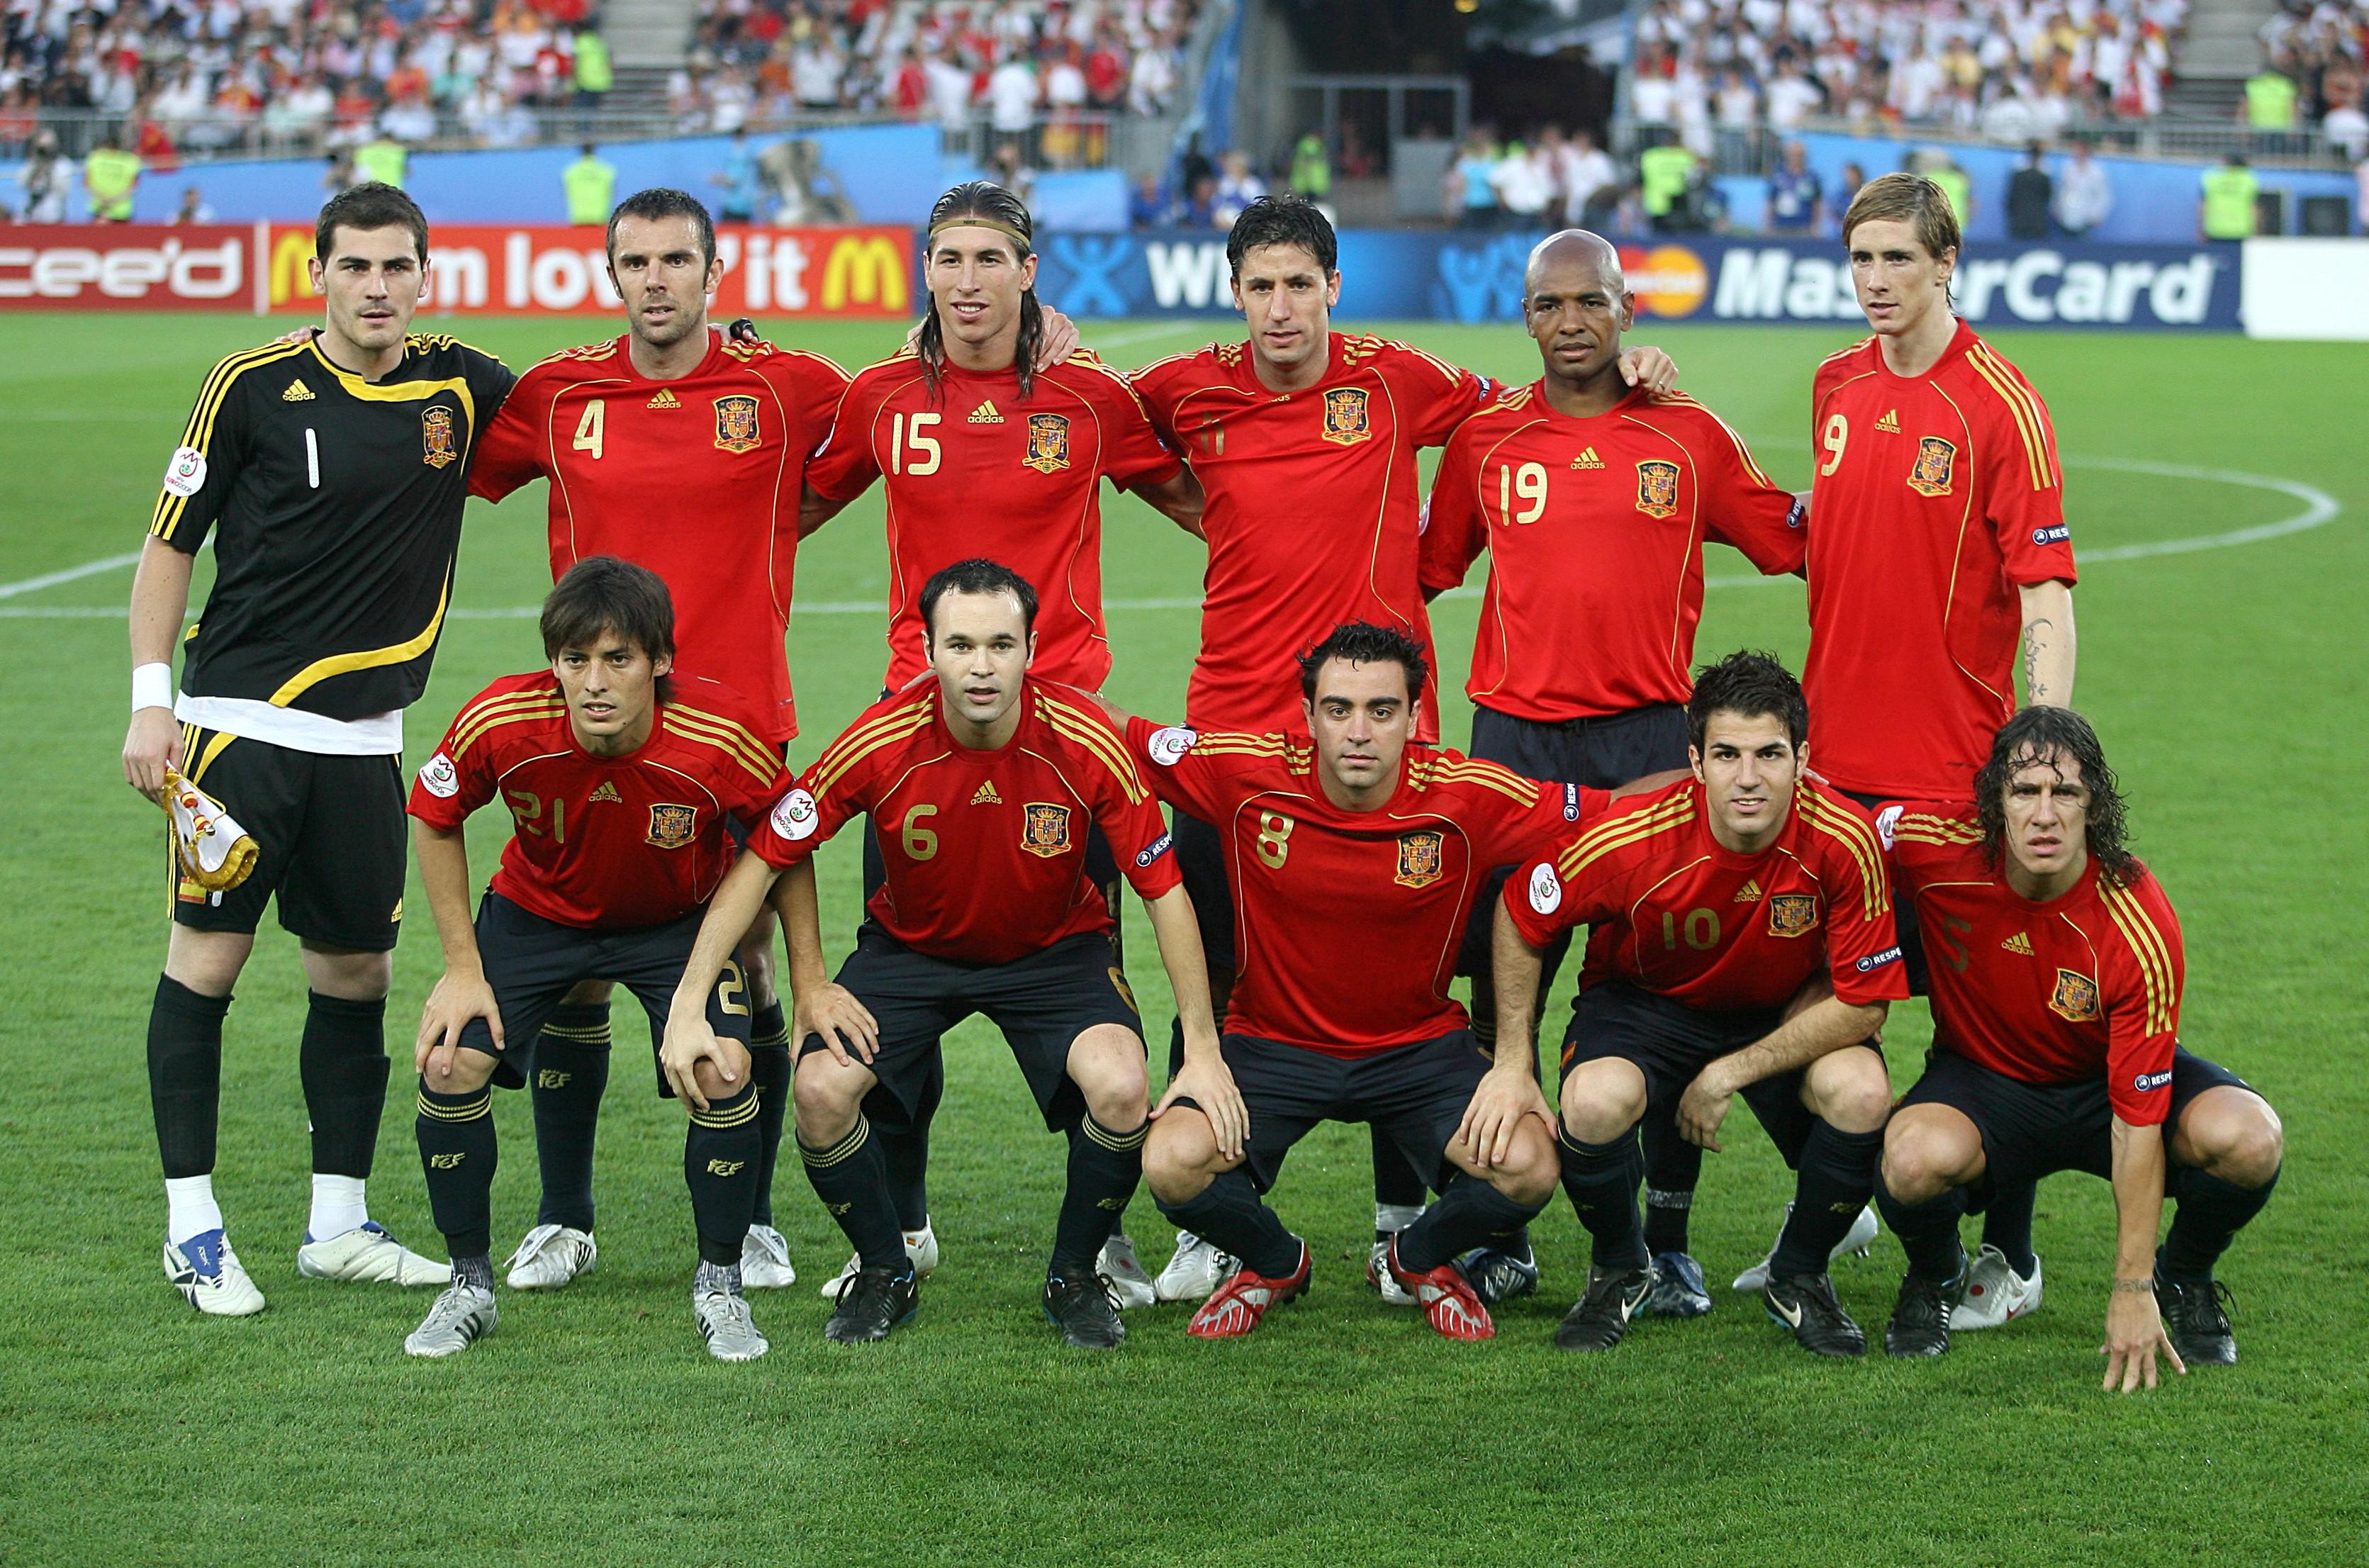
(1200,851)
(2030,1130)
(533,963)
(1903,914)
(1596,753)
(1415,1095)
(1042,1003)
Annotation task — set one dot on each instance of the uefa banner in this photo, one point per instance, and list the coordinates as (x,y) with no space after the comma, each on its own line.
(510,271)
(1402,275)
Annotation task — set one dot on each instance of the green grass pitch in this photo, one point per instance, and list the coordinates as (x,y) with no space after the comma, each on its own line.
(592,1428)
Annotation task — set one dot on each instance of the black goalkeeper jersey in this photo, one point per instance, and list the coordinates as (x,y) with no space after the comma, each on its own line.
(335,506)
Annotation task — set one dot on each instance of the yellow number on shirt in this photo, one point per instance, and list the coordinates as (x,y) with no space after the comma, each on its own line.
(591,427)
(1701,930)
(1837,436)
(527,811)
(906,436)
(1275,838)
(920,842)
(1529,483)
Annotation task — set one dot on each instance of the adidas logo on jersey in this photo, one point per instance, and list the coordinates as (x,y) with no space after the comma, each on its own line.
(1749,893)
(297,392)
(1890,424)
(1587,460)
(985,795)
(665,399)
(985,413)
(2018,943)
(607,790)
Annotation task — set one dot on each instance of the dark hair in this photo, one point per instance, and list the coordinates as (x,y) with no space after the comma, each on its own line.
(2050,735)
(985,200)
(1282,219)
(977,575)
(602,593)
(664,201)
(1750,685)
(370,205)
(1362,642)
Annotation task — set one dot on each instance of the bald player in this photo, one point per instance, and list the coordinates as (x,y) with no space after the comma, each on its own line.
(1594,498)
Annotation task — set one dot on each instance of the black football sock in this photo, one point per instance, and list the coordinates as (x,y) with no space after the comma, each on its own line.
(344,1066)
(1673,1167)
(185,1033)
(1396,1183)
(905,1152)
(1105,1168)
(720,1161)
(571,1073)
(1470,1214)
(2210,1214)
(458,1154)
(769,1071)
(1229,1213)
(848,1178)
(2006,1225)
(1928,1232)
(1175,1047)
(1601,1181)
(1837,1178)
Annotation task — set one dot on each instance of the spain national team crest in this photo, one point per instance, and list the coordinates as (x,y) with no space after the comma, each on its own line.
(1049,442)
(1345,420)
(436,440)
(1657,489)
(2076,998)
(1937,463)
(671,827)
(1044,830)
(1419,859)
(736,424)
(1791,914)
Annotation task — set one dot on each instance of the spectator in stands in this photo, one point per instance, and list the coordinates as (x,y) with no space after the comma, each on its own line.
(1311,168)
(1586,171)
(1151,84)
(44,179)
(1471,196)
(1792,97)
(1013,94)
(1146,205)
(1009,170)
(2030,195)
(1200,210)
(193,208)
(1735,116)
(2268,109)
(1238,186)
(1796,203)
(1524,181)
(594,73)
(2083,195)
(2344,124)
(591,186)
(743,181)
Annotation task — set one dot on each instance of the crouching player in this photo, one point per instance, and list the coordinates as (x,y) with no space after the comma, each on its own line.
(1712,904)
(2057,968)
(620,777)
(1354,854)
(985,783)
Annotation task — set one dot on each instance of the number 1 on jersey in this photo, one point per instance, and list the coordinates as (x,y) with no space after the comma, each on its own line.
(1529,482)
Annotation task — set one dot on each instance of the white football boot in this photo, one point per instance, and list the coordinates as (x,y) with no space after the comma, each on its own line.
(463,1315)
(368,1255)
(722,1313)
(1995,1293)
(206,1274)
(1379,1276)
(1197,1268)
(921,1245)
(1860,1236)
(1123,1272)
(551,1256)
(765,1260)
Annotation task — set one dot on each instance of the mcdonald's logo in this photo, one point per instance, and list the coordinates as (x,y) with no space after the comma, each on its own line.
(291,284)
(867,270)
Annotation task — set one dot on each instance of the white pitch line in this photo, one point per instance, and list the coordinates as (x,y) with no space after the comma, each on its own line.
(51,579)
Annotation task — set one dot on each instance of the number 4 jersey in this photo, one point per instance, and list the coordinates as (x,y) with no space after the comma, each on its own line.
(608,841)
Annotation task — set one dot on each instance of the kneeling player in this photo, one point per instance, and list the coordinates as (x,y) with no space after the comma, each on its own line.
(1354,854)
(2056,980)
(620,777)
(1710,905)
(985,782)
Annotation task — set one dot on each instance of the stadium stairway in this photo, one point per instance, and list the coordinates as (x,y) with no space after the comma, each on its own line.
(647,39)
(2223,48)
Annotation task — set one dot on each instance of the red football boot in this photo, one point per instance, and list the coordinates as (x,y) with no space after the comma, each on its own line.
(1241,1298)
(1446,1298)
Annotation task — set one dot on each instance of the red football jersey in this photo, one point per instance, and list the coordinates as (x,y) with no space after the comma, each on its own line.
(605,842)
(2053,992)
(985,851)
(1936,497)
(1313,509)
(1668,910)
(697,478)
(1346,924)
(1595,530)
(972,470)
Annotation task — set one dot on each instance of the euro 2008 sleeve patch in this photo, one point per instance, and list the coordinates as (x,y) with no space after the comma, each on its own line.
(794,815)
(440,778)
(1546,890)
(185,476)
(1168,746)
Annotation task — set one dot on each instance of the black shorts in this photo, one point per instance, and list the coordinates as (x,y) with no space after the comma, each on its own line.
(2030,1130)
(533,963)
(1102,869)
(1415,1095)
(1903,914)
(1042,1003)
(1670,1043)
(329,839)
(1596,753)
(1200,851)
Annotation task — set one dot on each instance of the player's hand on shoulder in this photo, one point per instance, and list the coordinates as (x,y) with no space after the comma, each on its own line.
(458,997)
(1057,341)
(2134,1334)
(1209,1082)
(1507,1094)
(151,745)
(1650,367)
(847,1027)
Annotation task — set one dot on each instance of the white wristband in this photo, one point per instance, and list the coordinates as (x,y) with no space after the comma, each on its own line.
(152,686)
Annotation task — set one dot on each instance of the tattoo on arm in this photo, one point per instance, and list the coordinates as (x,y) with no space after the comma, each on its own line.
(2035,639)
